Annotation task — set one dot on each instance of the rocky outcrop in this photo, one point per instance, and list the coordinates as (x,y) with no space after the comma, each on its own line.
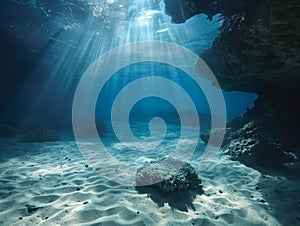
(258,45)
(248,146)
(263,136)
(168,175)
(257,50)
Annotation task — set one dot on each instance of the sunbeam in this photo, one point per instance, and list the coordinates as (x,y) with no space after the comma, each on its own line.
(71,51)
(149,112)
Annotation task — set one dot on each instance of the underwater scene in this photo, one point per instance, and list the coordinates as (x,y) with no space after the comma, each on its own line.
(150,112)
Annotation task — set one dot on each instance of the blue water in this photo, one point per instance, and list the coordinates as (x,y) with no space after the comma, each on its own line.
(45,99)
(88,177)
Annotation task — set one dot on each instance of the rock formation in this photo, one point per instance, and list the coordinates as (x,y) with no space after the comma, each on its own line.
(168,175)
(260,137)
(257,50)
(258,45)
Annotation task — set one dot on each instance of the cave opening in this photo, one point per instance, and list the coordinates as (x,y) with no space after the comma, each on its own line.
(65,49)
(149,112)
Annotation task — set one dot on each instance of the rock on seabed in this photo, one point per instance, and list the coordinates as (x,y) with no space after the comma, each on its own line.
(168,175)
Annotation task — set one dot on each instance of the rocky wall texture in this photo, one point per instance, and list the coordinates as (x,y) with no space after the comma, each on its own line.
(264,136)
(258,45)
(257,50)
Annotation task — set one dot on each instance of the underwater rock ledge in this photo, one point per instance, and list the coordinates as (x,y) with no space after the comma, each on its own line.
(263,136)
(258,44)
(256,51)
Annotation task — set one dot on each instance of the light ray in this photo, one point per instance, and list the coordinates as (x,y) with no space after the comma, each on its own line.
(111,24)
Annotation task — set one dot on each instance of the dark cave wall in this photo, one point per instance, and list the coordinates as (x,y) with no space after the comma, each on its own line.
(258,46)
(261,50)
(257,50)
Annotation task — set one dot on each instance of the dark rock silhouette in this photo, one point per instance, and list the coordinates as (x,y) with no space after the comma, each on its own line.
(174,182)
(168,175)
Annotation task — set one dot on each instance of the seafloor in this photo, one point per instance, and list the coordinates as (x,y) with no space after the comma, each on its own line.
(51,184)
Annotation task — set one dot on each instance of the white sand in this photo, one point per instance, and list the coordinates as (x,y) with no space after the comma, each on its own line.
(40,175)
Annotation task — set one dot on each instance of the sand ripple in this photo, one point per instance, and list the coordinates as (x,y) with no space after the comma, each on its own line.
(51,184)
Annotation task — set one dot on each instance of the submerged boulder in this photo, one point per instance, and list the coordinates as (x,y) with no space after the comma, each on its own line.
(250,146)
(168,175)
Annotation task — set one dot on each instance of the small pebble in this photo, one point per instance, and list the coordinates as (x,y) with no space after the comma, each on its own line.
(31,209)
(86,165)
(20,218)
(262,201)
(138,212)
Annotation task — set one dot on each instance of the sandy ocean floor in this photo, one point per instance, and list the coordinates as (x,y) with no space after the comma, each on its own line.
(51,184)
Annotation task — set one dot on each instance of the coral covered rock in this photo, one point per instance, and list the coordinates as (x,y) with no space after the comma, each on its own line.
(168,175)
(249,146)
